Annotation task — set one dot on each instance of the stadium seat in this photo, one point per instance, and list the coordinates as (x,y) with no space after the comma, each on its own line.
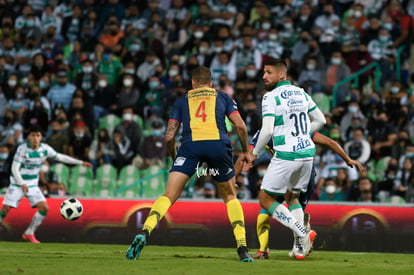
(322,101)
(154,179)
(62,171)
(109,122)
(105,181)
(77,172)
(81,186)
(129,175)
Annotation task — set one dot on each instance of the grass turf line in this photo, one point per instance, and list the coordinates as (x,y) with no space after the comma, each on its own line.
(63,258)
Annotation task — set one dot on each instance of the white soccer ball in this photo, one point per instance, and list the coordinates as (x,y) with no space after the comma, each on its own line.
(71,209)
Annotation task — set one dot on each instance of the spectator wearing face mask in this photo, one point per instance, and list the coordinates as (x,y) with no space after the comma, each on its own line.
(61,92)
(110,67)
(79,141)
(353,110)
(382,51)
(101,151)
(87,78)
(154,148)
(18,104)
(104,97)
(155,97)
(331,192)
(336,71)
(5,166)
(128,94)
(130,128)
(311,77)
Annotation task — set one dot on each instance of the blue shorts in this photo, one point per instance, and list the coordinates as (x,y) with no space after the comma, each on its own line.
(216,153)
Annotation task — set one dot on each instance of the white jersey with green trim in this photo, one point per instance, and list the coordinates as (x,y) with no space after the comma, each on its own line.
(30,162)
(290,105)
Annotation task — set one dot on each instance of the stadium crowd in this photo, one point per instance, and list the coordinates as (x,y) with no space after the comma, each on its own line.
(68,65)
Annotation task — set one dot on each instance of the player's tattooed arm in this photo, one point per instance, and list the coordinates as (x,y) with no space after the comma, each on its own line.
(172,129)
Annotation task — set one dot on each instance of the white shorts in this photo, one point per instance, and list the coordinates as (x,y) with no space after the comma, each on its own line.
(283,175)
(15,194)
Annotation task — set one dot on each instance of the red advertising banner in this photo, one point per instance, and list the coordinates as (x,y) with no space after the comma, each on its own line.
(205,223)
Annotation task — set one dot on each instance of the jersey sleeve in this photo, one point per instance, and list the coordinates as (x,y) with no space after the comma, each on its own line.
(231,105)
(51,153)
(269,145)
(311,104)
(176,113)
(19,155)
(268,105)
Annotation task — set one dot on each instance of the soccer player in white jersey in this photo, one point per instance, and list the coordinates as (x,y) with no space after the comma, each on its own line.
(286,113)
(25,176)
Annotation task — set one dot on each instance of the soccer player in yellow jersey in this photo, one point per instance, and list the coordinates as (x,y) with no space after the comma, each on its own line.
(201,112)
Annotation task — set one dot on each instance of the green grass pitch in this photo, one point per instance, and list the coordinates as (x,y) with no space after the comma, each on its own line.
(63,258)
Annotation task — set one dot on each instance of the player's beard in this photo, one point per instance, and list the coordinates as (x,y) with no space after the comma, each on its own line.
(270,86)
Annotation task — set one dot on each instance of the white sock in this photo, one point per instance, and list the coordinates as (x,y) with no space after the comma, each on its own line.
(36,221)
(297,212)
(283,215)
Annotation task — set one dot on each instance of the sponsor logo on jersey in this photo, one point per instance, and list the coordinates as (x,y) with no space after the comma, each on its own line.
(302,144)
(287,94)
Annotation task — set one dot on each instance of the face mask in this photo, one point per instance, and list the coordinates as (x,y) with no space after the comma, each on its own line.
(172,73)
(4,156)
(102,83)
(383,38)
(304,17)
(409,155)
(156,133)
(134,48)
(261,172)
(395,90)
(250,73)
(336,60)
(358,13)
(330,189)
(352,109)
(127,82)
(222,83)
(335,28)
(79,135)
(387,26)
(198,34)
(273,36)
(311,66)
(127,116)
(87,69)
(288,26)
(106,57)
(19,96)
(266,26)
(203,50)
(30,23)
(153,84)
(44,168)
(12,82)
(129,71)
(218,49)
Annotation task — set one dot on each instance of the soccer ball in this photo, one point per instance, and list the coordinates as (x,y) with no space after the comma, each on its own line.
(71,209)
